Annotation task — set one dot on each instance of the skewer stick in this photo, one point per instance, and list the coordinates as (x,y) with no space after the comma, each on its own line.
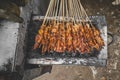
(47,12)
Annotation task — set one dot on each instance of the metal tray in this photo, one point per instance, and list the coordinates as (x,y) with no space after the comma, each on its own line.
(34,57)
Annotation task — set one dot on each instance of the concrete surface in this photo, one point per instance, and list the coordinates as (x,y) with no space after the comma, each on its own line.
(8,42)
(112,70)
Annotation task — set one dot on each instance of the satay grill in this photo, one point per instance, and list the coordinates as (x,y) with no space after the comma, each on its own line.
(67,35)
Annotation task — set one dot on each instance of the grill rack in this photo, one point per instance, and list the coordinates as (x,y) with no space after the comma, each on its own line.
(99,60)
(57,18)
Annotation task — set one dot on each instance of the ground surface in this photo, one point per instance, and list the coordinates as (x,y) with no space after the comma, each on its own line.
(112,70)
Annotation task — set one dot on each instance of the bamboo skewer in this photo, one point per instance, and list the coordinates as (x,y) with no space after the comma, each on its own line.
(75,35)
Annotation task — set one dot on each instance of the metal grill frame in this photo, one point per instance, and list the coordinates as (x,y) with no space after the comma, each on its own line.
(100,60)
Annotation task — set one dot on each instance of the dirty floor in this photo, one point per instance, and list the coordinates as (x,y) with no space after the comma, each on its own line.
(112,70)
